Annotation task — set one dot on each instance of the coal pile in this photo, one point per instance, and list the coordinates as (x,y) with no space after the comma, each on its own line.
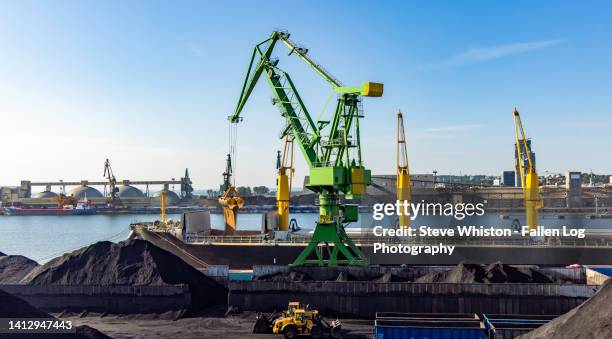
(131,262)
(501,273)
(14,267)
(343,276)
(591,319)
(293,276)
(494,273)
(389,277)
(14,307)
(462,273)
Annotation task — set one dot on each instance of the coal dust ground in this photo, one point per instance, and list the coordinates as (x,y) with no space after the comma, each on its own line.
(219,327)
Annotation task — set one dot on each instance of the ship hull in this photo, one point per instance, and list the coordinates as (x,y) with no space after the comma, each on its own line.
(48,211)
(242,256)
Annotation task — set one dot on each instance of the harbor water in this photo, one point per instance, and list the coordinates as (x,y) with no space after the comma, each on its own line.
(42,238)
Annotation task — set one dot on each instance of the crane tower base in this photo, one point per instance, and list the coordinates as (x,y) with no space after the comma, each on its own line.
(330,246)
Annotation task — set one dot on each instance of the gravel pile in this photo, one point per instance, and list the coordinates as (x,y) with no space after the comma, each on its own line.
(14,267)
(131,262)
(591,319)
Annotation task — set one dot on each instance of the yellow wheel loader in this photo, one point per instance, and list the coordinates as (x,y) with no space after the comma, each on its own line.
(297,320)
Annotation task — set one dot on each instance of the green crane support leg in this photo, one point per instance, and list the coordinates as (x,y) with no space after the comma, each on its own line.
(330,245)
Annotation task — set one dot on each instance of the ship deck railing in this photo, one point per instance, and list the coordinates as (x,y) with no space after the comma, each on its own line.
(258,239)
(301,239)
(594,240)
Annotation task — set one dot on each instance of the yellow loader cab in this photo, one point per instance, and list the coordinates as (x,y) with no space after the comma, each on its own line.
(293,305)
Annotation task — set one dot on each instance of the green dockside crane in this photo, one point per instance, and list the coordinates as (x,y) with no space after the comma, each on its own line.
(331,148)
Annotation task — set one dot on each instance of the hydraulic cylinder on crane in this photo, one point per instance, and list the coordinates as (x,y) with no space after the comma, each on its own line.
(528,174)
(403,186)
(282,200)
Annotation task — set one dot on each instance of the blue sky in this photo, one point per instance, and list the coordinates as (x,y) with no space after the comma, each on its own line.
(150,84)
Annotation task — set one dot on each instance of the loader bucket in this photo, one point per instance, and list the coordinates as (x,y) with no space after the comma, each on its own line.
(262,324)
(335,329)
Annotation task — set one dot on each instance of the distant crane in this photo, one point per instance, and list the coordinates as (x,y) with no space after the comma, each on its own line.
(163,207)
(113,190)
(528,175)
(403,185)
(284,165)
(186,187)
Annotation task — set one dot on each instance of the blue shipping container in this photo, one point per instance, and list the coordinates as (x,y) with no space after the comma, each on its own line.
(397,332)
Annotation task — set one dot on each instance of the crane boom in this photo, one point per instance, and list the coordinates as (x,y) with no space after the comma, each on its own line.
(302,53)
(403,185)
(299,122)
(331,147)
(113,194)
(528,174)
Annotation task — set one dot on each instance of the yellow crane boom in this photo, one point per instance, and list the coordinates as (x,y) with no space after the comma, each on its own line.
(163,207)
(528,174)
(403,186)
(284,181)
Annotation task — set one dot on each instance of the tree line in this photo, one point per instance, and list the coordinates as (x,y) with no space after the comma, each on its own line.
(245,191)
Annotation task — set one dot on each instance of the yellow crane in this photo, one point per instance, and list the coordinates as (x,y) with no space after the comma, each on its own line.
(403,186)
(528,174)
(163,207)
(284,164)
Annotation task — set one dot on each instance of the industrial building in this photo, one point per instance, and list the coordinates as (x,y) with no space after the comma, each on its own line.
(98,192)
(508,179)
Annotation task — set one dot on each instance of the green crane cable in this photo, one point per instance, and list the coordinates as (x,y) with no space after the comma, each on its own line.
(325,105)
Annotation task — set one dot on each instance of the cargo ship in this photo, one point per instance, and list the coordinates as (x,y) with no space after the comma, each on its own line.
(204,246)
(83,207)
